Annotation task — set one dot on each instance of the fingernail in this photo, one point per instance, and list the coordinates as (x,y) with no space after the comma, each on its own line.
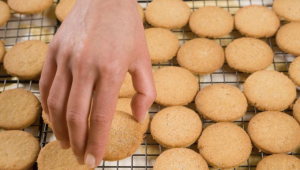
(63,144)
(90,161)
(79,160)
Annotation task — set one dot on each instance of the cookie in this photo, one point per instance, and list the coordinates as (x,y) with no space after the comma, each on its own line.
(169,14)
(221,103)
(296,110)
(162,44)
(53,157)
(294,71)
(224,145)
(269,90)
(19,109)
(176,127)
(141,12)
(274,132)
(201,56)
(26,59)
(29,6)
(19,150)
(63,8)
(211,21)
(125,137)
(175,86)
(127,90)
(2,48)
(124,105)
(256,21)
(4,14)
(180,158)
(287,9)
(249,55)
(288,38)
(279,162)
(46,119)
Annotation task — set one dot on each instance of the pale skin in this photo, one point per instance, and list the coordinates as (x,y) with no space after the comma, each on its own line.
(96,45)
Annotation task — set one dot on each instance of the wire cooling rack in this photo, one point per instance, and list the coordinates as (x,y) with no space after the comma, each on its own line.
(43,26)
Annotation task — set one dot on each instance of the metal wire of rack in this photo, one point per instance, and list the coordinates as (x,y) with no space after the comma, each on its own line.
(43,26)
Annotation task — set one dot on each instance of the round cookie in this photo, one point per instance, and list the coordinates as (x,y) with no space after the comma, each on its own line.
(274,132)
(63,8)
(221,103)
(127,90)
(124,128)
(4,14)
(201,56)
(296,110)
(224,145)
(141,12)
(279,162)
(29,6)
(256,21)
(162,44)
(287,9)
(269,90)
(294,71)
(124,105)
(211,21)
(19,150)
(288,37)
(53,157)
(169,14)
(2,49)
(176,127)
(19,109)
(180,158)
(175,86)
(26,59)
(249,55)
(46,119)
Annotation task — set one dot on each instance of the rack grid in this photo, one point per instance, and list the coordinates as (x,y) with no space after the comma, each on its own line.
(43,27)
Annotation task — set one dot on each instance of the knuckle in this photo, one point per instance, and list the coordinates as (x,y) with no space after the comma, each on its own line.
(53,105)
(74,117)
(100,119)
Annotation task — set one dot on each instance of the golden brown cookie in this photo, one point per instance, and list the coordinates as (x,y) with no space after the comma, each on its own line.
(53,157)
(225,145)
(287,9)
(29,6)
(211,21)
(296,110)
(26,59)
(180,158)
(176,127)
(127,90)
(256,21)
(63,8)
(124,105)
(175,86)
(162,44)
(4,13)
(2,49)
(294,71)
(19,109)
(141,12)
(288,38)
(18,150)
(125,137)
(46,119)
(279,162)
(221,103)
(169,14)
(274,132)
(201,56)
(269,90)
(249,55)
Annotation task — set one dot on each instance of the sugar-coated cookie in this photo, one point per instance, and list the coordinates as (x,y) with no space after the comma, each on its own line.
(249,55)
(127,90)
(19,150)
(269,90)
(4,13)
(256,21)
(162,44)
(287,9)
(274,132)
(294,71)
(176,127)
(175,86)
(201,56)
(224,145)
(125,137)
(2,49)
(53,157)
(180,158)
(288,38)
(211,21)
(29,6)
(169,14)
(279,162)
(63,8)
(296,110)
(221,103)
(26,59)
(19,109)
